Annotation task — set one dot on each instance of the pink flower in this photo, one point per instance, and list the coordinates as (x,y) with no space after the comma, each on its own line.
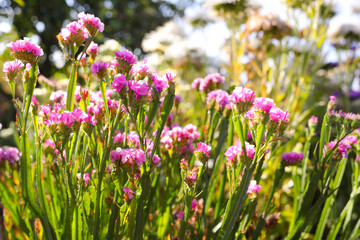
(24,50)
(204,148)
(196,83)
(193,204)
(242,99)
(11,154)
(180,215)
(211,82)
(235,151)
(57,96)
(351,139)
(86,178)
(156,159)
(140,88)
(170,76)
(253,187)
(91,23)
(12,69)
(126,56)
(279,119)
(158,82)
(219,96)
(292,158)
(202,152)
(92,50)
(129,157)
(118,82)
(129,193)
(96,67)
(264,104)
(119,138)
(139,71)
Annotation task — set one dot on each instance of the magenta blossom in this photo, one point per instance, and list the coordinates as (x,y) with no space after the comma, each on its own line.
(128,157)
(24,50)
(234,152)
(119,82)
(242,99)
(193,204)
(91,23)
(180,215)
(196,83)
(158,82)
(218,96)
(99,68)
(128,193)
(202,152)
(10,155)
(139,87)
(126,56)
(86,178)
(292,158)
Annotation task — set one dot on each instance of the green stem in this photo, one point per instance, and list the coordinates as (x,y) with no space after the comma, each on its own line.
(70,99)
(330,201)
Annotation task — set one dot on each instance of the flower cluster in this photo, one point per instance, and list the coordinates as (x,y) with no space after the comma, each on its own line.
(92,24)
(180,139)
(218,98)
(242,99)
(26,51)
(342,147)
(202,152)
(209,83)
(10,155)
(235,154)
(12,69)
(292,158)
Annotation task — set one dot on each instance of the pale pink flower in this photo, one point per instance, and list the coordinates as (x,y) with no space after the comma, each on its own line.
(253,187)
(12,68)
(242,99)
(218,96)
(92,50)
(264,104)
(91,23)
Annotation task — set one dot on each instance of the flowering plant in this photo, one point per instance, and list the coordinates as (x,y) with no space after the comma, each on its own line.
(111,159)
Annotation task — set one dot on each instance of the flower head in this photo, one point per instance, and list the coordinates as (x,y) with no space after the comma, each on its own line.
(26,51)
(99,68)
(92,24)
(253,189)
(125,60)
(119,82)
(92,50)
(292,158)
(218,97)
(12,69)
(202,152)
(242,99)
(235,153)
(129,194)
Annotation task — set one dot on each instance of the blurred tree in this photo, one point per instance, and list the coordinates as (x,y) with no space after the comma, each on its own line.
(126,21)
